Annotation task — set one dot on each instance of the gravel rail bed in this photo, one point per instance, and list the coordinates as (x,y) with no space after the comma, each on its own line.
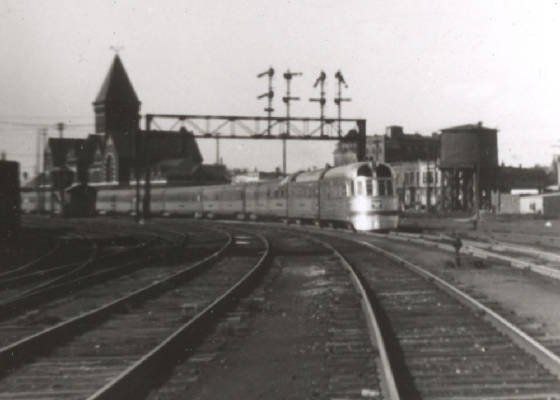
(326,352)
(88,361)
(439,348)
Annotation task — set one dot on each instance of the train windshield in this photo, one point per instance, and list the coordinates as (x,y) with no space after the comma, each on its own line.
(364,186)
(384,181)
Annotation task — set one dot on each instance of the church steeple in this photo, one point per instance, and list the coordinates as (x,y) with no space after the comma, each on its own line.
(116,106)
(117,86)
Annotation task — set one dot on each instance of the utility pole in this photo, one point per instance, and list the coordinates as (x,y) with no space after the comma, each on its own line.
(217,149)
(476,185)
(338,100)
(137,172)
(38,170)
(287,99)
(60,127)
(321,81)
(147,170)
(269,95)
(43,170)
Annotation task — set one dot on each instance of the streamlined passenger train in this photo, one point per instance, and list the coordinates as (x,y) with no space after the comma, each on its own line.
(358,195)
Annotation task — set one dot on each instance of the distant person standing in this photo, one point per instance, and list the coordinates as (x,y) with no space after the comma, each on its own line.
(457,244)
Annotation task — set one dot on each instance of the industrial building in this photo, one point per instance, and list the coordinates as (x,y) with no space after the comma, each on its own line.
(417,183)
(443,170)
(392,147)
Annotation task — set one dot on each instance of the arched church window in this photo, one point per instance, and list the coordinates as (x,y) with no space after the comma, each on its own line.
(109,169)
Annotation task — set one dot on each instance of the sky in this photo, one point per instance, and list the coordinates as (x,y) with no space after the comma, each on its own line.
(421,64)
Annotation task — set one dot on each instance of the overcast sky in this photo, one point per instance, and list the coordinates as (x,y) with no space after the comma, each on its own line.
(425,65)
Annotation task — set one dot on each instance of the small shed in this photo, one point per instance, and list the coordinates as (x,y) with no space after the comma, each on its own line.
(531,204)
(551,204)
(81,201)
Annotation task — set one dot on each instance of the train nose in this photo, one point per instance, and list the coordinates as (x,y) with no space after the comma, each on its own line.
(364,222)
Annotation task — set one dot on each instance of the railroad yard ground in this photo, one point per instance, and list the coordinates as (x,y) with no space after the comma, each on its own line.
(288,338)
(528,295)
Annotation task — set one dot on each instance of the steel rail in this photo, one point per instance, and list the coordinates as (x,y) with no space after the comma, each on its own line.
(548,359)
(33,263)
(134,378)
(28,347)
(57,285)
(374,329)
(74,280)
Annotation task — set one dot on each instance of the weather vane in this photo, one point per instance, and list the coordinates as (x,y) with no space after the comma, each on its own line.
(116,49)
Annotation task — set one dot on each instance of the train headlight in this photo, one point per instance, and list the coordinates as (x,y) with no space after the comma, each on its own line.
(364,222)
(361,204)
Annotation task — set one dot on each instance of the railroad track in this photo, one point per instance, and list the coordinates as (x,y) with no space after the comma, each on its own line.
(50,303)
(83,295)
(125,342)
(334,359)
(440,342)
(443,344)
(60,281)
(110,257)
(529,258)
(69,253)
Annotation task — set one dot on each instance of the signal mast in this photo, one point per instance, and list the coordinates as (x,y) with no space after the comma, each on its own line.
(338,100)
(321,100)
(287,99)
(270,94)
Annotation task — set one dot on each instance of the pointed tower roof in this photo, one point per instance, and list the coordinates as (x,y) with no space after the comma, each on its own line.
(117,87)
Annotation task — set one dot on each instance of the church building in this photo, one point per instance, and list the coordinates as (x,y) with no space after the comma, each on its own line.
(119,148)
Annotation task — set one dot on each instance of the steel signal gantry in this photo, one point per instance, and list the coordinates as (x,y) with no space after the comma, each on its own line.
(338,100)
(321,81)
(270,94)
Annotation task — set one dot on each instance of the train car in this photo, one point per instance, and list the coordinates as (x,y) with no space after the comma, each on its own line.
(106,202)
(184,201)
(29,201)
(158,201)
(271,200)
(116,201)
(223,201)
(251,200)
(303,195)
(360,196)
(10,202)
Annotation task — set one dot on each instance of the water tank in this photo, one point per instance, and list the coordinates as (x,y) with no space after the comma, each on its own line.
(466,146)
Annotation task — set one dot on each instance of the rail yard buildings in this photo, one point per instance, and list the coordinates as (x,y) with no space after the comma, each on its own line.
(443,170)
(413,157)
